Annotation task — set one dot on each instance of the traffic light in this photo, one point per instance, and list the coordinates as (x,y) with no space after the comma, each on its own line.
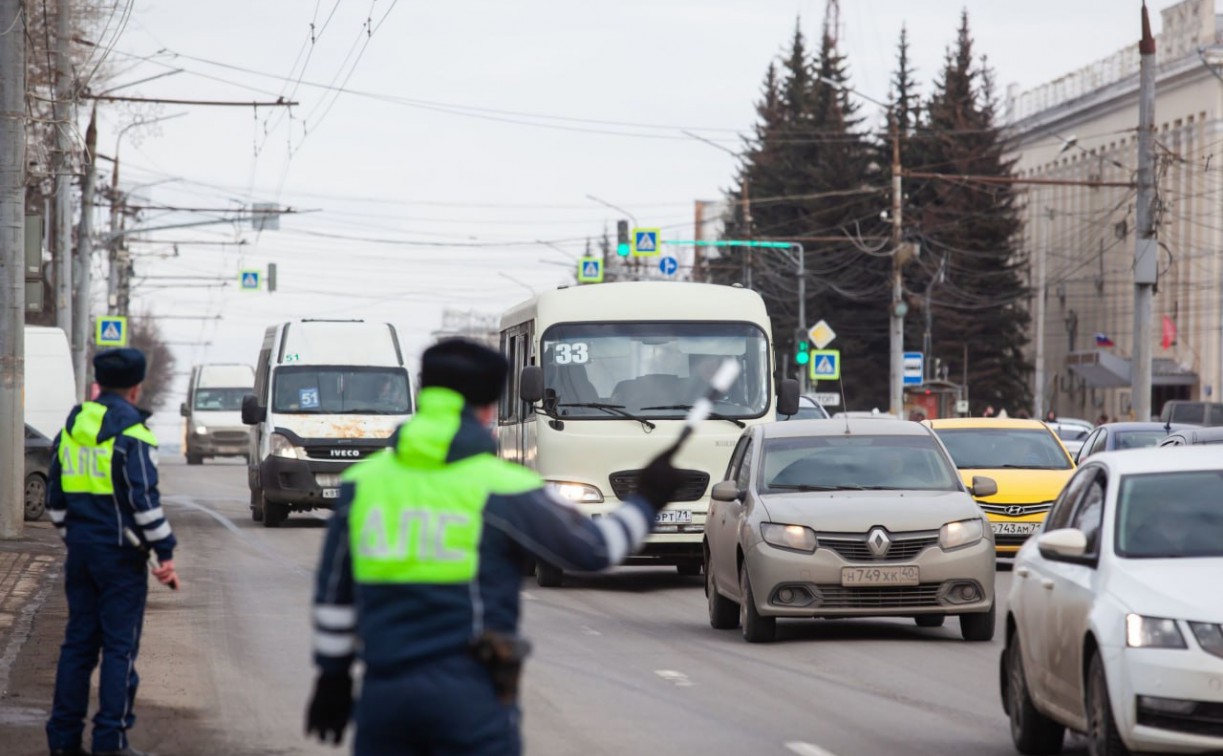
(622,241)
(802,349)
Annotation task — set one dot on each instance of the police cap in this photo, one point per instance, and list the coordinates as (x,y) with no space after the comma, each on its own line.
(471,369)
(119,368)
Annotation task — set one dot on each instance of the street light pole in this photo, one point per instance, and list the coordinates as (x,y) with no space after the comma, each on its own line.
(635,262)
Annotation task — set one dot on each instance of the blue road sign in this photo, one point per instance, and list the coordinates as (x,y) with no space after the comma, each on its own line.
(590,270)
(914,362)
(111,331)
(668,265)
(825,364)
(645,241)
(248,280)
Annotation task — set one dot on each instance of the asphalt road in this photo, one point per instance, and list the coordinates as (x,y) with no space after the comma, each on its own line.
(624,662)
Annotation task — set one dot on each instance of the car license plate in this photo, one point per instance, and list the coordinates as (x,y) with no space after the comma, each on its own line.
(327,480)
(331,493)
(897,575)
(674,517)
(1015,528)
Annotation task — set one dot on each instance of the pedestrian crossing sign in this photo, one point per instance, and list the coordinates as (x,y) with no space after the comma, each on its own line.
(590,270)
(248,280)
(645,241)
(825,365)
(110,331)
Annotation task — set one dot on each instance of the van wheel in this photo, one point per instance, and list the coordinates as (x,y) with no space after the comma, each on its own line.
(978,627)
(756,628)
(274,513)
(195,459)
(1033,733)
(548,575)
(257,505)
(35,496)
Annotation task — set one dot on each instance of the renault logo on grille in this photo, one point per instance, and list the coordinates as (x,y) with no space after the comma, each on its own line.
(878,542)
(1014,510)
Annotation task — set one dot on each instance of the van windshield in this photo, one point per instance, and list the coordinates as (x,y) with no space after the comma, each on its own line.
(652,369)
(220,399)
(341,390)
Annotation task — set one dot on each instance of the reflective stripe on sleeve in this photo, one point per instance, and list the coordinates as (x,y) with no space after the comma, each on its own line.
(57,515)
(614,538)
(159,533)
(149,517)
(335,617)
(334,644)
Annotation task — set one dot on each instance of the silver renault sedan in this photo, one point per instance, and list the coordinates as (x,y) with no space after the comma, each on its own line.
(847,518)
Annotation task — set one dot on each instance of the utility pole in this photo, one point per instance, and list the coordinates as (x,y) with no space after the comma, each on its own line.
(899,308)
(1042,255)
(84,261)
(1146,247)
(64,115)
(12,268)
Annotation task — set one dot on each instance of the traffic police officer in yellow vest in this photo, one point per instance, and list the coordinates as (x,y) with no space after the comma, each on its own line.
(103,481)
(422,566)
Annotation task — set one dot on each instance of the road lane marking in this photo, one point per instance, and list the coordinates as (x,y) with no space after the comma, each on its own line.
(807,749)
(229,525)
(526,595)
(587,630)
(678,678)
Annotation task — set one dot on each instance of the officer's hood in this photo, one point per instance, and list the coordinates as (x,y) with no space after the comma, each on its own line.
(103,419)
(442,430)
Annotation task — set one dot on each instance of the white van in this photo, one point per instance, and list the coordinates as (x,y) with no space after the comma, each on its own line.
(327,394)
(214,412)
(50,385)
(602,378)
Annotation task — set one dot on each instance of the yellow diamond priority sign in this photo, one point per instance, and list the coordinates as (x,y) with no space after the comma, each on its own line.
(821,334)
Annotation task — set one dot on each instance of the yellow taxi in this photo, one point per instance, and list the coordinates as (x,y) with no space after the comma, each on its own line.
(1027,460)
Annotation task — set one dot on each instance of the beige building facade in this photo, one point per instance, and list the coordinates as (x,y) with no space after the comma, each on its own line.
(1082,129)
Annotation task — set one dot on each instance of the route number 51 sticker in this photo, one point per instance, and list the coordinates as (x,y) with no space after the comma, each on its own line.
(576,353)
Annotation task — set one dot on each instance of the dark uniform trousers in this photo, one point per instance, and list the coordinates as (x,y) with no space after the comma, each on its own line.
(107,587)
(441,707)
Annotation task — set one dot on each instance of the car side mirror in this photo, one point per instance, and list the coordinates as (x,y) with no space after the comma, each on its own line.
(983,486)
(252,413)
(182,410)
(727,490)
(1065,543)
(531,384)
(787,397)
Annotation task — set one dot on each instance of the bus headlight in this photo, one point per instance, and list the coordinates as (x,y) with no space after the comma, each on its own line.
(576,493)
(283,447)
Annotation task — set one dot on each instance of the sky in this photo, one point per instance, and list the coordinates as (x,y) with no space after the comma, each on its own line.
(470,131)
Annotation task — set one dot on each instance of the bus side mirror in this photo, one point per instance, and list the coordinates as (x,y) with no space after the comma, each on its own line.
(787,397)
(531,384)
(252,413)
(182,410)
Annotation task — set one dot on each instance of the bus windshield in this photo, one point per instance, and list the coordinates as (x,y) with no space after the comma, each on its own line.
(335,390)
(652,369)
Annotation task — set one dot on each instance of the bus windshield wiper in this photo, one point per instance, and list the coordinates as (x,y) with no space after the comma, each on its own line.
(713,415)
(612,409)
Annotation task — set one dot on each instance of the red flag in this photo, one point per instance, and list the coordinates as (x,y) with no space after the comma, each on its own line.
(1169,335)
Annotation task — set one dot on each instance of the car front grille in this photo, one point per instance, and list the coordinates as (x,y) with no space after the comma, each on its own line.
(1001,539)
(231,437)
(692,488)
(1015,510)
(891,597)
(903,546)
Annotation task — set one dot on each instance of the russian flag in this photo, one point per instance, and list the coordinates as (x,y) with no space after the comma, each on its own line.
(1102,340)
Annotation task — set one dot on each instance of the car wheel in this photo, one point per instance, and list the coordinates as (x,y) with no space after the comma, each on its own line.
(274,513)
(548,575)
(688,569)
(756,629)
(930,620)
(723,613)
(1102,736)
(195,459)
(257,505)
(979,626)
(1033,733)
(35,496)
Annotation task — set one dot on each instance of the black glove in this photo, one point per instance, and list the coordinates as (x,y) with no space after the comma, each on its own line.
(330,708)
(660,481)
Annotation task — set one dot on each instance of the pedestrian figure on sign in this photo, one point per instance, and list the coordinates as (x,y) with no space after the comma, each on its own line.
(422,567)
(102,491)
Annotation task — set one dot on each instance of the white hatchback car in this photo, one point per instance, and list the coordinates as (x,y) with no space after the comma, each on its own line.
(1115,619)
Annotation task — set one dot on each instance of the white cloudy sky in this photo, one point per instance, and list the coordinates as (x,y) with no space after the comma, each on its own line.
(483,122)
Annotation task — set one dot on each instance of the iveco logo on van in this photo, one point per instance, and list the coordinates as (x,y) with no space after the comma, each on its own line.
(346,452)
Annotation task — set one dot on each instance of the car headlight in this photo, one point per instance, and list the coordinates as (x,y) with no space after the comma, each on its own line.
(201,430)
(577,493)
(283,447)
(1210,637)
(961,533)
(1152,632)
(793,537)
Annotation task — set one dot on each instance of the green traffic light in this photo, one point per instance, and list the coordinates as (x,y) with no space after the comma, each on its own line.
(802,358)
(622,249)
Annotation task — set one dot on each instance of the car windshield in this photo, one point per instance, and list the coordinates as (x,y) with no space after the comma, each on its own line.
(341,390)
(220,399)
(857,462)
(1170,515)
(652,369)
(994,448)
(1139,439)
(1072,432)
